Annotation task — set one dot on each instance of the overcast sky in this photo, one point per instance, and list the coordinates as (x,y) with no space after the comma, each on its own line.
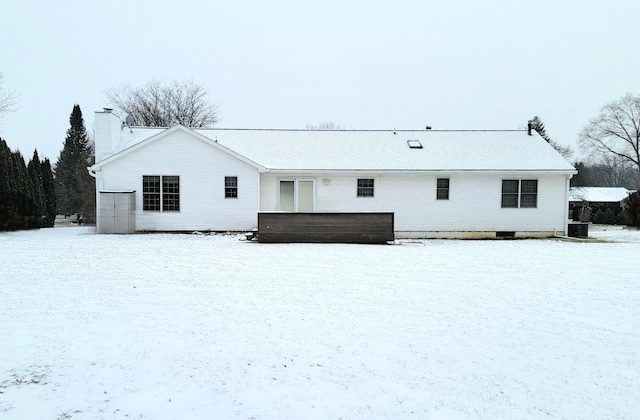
(361,64)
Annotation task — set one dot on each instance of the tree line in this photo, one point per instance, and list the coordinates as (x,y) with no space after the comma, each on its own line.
(27,191)
(31,195)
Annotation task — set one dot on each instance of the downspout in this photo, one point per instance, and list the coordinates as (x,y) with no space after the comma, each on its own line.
(99,182)
(566,205)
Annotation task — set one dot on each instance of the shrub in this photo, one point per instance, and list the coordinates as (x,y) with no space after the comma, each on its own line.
(621,219)
(632,209)
(598,217)
(608,218)
(584,215)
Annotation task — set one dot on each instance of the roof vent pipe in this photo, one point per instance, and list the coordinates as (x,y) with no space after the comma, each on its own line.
(529,127)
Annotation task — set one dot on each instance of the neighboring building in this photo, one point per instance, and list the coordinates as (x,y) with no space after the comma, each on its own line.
(439,184)
(599,197)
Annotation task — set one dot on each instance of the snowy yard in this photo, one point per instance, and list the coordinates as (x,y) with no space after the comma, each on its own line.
(196,326)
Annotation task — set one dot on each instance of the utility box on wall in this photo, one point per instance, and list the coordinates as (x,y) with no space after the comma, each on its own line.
(578,230)
(117,212)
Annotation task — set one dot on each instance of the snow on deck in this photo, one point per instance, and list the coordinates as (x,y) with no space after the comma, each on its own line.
(193,326)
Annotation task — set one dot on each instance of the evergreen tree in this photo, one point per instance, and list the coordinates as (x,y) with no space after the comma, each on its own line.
(598,217)
(621,218)
(632,209)
(6,167)
(6,186)
(48,187)
(35,177)
(86,185)
(22,194)
(538,125)
(608,218)
(68,196)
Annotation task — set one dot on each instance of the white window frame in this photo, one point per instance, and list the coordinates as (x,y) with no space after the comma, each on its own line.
(162,195)
(520,193)
(295,191)
(366,188)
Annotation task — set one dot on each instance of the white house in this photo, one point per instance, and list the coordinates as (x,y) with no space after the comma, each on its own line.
(437,183)
(607,196)
(602,197)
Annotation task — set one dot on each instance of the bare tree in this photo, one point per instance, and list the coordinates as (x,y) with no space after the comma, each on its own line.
(615,132)
(8,98)
(324,125)
(609,171)
(157,104)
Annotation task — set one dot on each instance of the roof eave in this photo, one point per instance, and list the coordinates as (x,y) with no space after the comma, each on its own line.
(419,171)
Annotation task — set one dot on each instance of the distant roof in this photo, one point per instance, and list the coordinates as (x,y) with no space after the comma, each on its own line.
(384,150)
(598,194)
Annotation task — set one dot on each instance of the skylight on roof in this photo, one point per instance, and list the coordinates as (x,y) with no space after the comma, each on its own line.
(414,144)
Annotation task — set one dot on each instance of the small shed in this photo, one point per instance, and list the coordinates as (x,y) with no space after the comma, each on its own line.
(117,212)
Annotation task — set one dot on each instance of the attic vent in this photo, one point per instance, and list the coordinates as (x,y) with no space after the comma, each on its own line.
(414,144)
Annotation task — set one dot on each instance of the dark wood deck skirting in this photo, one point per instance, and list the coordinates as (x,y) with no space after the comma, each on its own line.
(361,228)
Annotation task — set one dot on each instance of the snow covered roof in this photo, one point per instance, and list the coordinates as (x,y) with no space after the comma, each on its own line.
(377,150)
(598,194)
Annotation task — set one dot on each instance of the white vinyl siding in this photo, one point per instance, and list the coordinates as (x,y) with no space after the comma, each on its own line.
(475,206)
(202,169)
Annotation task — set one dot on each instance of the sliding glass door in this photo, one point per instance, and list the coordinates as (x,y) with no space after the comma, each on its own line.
(296,195)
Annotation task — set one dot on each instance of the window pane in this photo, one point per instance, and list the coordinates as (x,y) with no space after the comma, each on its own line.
(442,190)
(170,193)
(151,193)
(443,182)
(510,192)
(150,184)
(231,187)
(365,187)
(305,196)
(510,186)
(529,193)
(509,200)
(529,186)
(286,196)
(151,202)
(171,184)
(528,200)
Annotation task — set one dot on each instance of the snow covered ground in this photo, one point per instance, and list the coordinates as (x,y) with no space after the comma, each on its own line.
(196,326)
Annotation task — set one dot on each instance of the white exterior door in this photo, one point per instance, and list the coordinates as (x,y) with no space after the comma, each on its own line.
(296,195)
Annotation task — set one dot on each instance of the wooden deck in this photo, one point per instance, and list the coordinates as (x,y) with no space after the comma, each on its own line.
(360,228)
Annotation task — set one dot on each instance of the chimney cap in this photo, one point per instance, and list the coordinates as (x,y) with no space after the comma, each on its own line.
(107,109)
